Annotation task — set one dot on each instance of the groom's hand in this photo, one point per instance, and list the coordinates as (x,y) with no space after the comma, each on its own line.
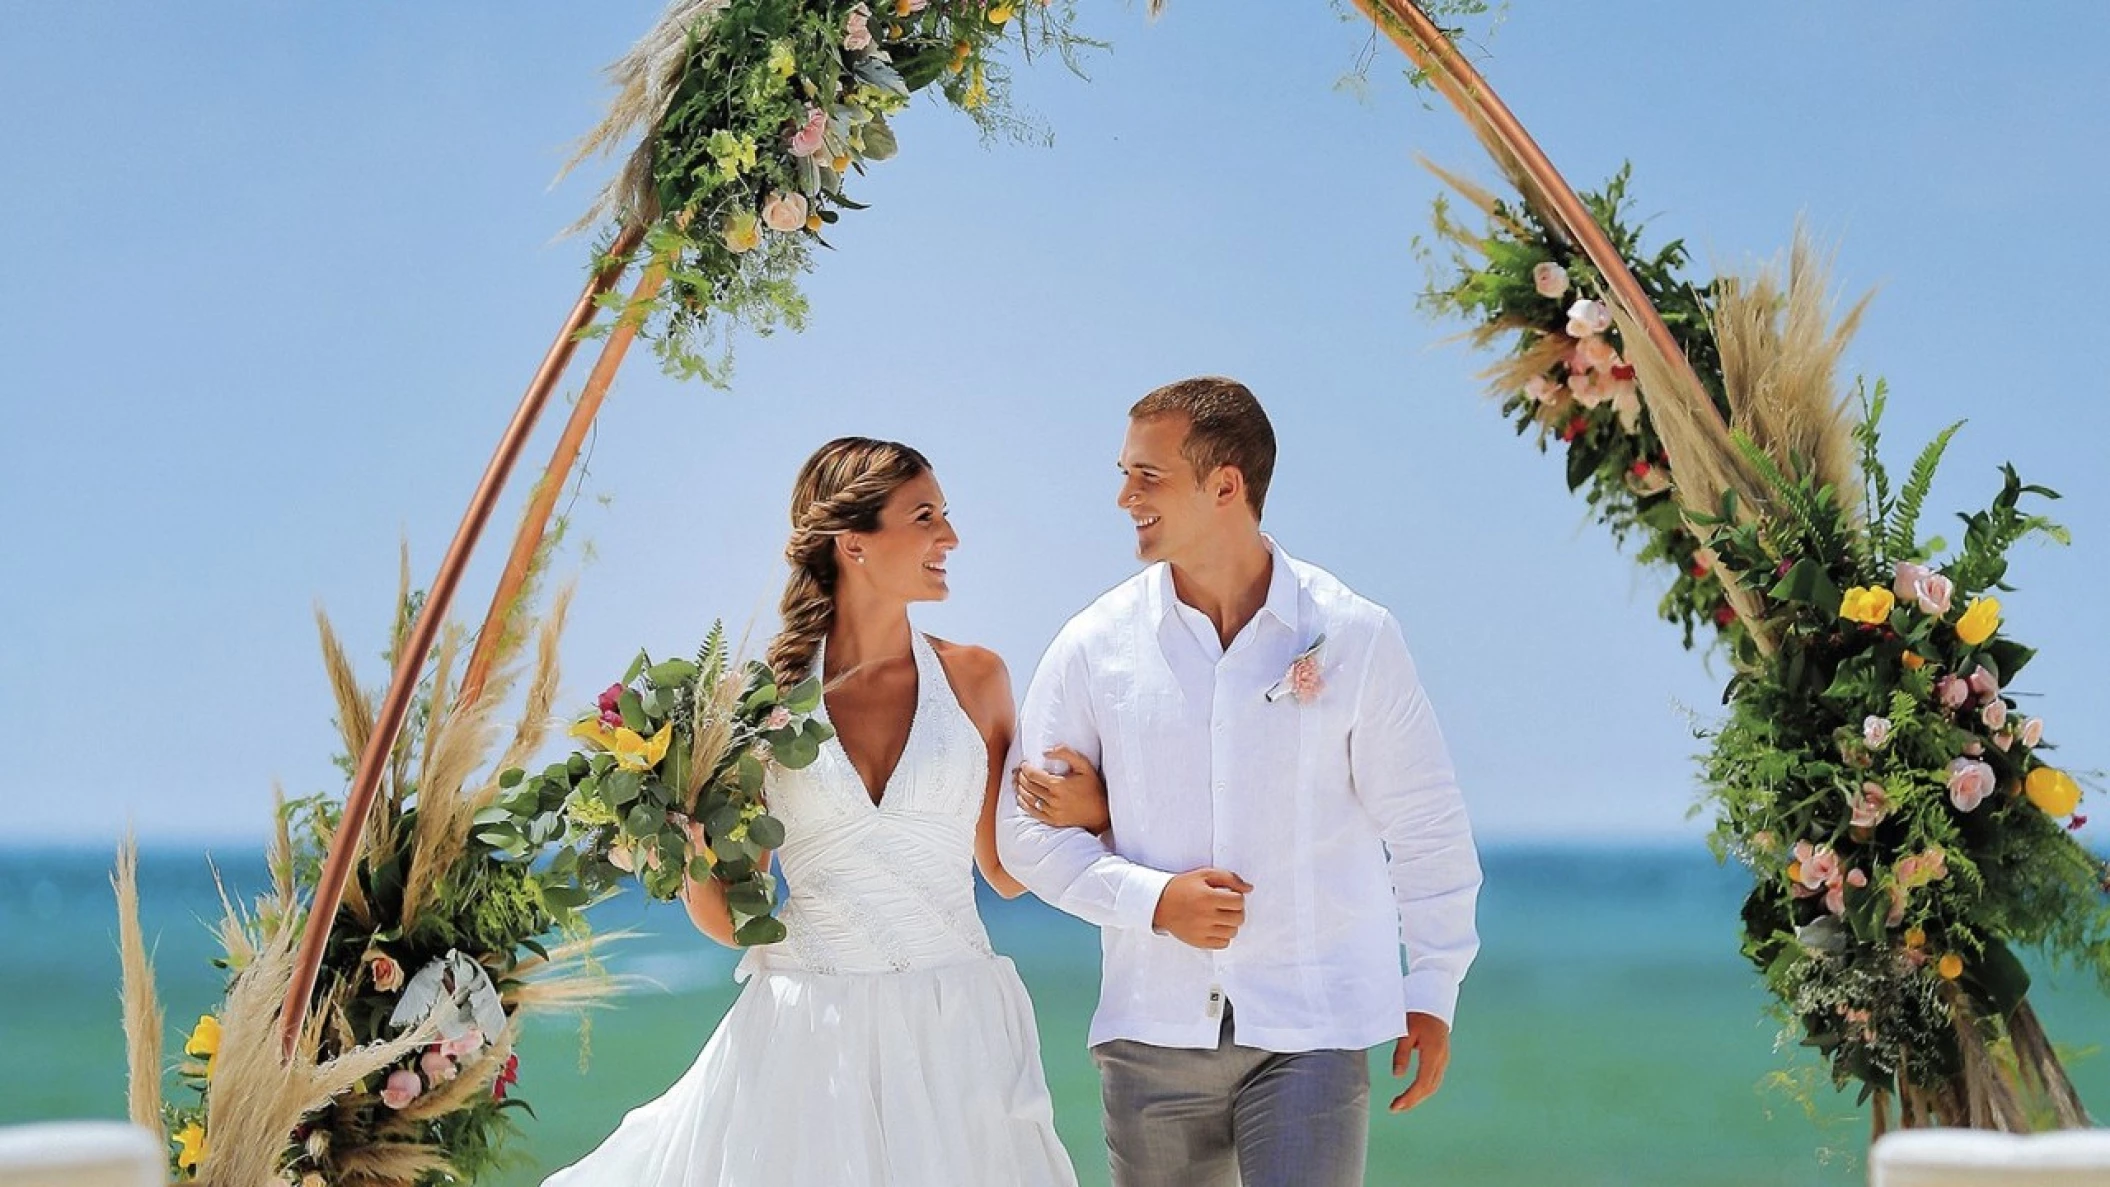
(1203,908)
(1429,1036)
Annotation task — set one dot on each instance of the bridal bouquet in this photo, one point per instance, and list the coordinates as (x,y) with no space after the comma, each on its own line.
(669,785)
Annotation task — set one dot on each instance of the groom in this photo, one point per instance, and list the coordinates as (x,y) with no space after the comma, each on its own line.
(1283,816)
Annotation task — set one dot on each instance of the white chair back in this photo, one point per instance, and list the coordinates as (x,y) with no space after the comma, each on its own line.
(1977,1158)
(80,1154)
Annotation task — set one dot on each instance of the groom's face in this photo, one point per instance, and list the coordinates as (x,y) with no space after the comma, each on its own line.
(1160,491)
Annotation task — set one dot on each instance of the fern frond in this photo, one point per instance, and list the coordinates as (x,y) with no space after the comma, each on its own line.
(1900,538)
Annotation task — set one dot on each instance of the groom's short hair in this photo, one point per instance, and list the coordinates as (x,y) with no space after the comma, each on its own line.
(1226,427)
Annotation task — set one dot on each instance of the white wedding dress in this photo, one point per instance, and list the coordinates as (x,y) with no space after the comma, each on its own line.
(882,1042)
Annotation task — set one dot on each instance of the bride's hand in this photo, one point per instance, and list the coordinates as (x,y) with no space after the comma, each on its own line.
(1075,800)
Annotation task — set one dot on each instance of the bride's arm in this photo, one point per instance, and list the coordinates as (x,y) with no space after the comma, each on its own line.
(705,899)
(985,692)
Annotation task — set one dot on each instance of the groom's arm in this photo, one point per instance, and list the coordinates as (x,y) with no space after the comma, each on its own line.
(1068,867)
(1403,775)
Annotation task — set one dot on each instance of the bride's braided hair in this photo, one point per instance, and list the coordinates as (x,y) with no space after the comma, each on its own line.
(841,488)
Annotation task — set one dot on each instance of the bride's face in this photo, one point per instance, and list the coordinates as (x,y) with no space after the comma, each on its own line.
(905,558)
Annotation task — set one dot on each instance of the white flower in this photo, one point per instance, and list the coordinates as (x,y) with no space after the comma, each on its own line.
(1876,732)
(1587,317)
(1551,280)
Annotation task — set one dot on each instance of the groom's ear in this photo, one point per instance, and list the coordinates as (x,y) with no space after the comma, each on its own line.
(1226,485)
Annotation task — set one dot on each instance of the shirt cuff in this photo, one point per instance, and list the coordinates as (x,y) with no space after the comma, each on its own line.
(1136,899)
(1432,992)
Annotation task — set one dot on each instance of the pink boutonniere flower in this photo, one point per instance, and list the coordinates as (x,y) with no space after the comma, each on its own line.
(1302,680)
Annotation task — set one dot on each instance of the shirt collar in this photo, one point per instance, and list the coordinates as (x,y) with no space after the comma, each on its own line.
(1281,588)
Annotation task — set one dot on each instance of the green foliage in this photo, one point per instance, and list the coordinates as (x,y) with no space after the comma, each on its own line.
(728,152)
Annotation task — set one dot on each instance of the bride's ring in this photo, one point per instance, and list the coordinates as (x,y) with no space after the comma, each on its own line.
(1040,804)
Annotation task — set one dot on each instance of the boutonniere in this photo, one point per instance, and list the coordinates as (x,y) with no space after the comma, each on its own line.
(1302,680)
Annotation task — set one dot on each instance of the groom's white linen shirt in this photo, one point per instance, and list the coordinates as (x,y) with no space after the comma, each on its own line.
(1342,813)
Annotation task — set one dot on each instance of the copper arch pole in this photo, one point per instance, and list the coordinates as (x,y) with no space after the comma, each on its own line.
(534,522)
(410,656)
(1426,44)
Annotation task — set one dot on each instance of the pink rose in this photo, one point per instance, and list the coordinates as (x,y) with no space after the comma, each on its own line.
(1935,593)
(1304,683)
(1835,899)
(1970,781)
(1994,715)
(2003,739)
(1596,353)
(1857,879)
(611,719)
(1897,906)
(1542,390)
(1587,317)
(2032,731)
(1875,731)
(1820,868)
(386,973)
(1983,686)
(1551,280)
(1974,748)
(778,718)
(1951,692)
(1587,389)
(612,700)
(469,1042)
(438,1069)
(403,1087)
(856,35)
(1870,806)
(1907,583)
(785,212)
(812,134)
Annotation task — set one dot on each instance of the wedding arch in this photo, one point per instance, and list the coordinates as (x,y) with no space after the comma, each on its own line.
(1903,832)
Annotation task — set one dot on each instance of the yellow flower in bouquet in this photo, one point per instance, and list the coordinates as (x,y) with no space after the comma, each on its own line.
(2052,790)
(1870,604)
(632,753)
(1979,622)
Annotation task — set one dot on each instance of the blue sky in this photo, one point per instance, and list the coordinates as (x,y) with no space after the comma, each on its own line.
(277,273)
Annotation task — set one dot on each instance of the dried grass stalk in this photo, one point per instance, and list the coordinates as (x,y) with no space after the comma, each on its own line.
(258,1097)
(388,1164)
(1780,358)
(143,1018)
(355,710)
(644,79)
(2043,1070)
(533,727)
(440,830)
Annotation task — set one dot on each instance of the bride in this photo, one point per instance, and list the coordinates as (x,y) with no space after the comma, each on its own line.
(882,1041)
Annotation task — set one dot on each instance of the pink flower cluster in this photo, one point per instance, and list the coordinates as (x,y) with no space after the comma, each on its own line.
(438,1064)
(1927,589)
(1970,781)
(1595,373)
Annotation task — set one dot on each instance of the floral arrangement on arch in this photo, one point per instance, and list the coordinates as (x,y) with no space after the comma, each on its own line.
(405,1073)
(1907,829)
(1564,378)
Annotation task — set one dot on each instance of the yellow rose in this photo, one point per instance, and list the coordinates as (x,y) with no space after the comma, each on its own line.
(191,1139)
(2052,790)
(1913,660)
(1979,622)
(1871,604)
(1794,871)
(743,232)
(1000,14)
(1951,967)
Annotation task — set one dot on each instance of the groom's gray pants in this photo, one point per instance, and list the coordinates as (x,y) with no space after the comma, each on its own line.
(1177,1117)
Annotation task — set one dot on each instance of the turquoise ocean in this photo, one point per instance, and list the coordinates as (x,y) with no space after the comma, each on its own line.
(1609,1033)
